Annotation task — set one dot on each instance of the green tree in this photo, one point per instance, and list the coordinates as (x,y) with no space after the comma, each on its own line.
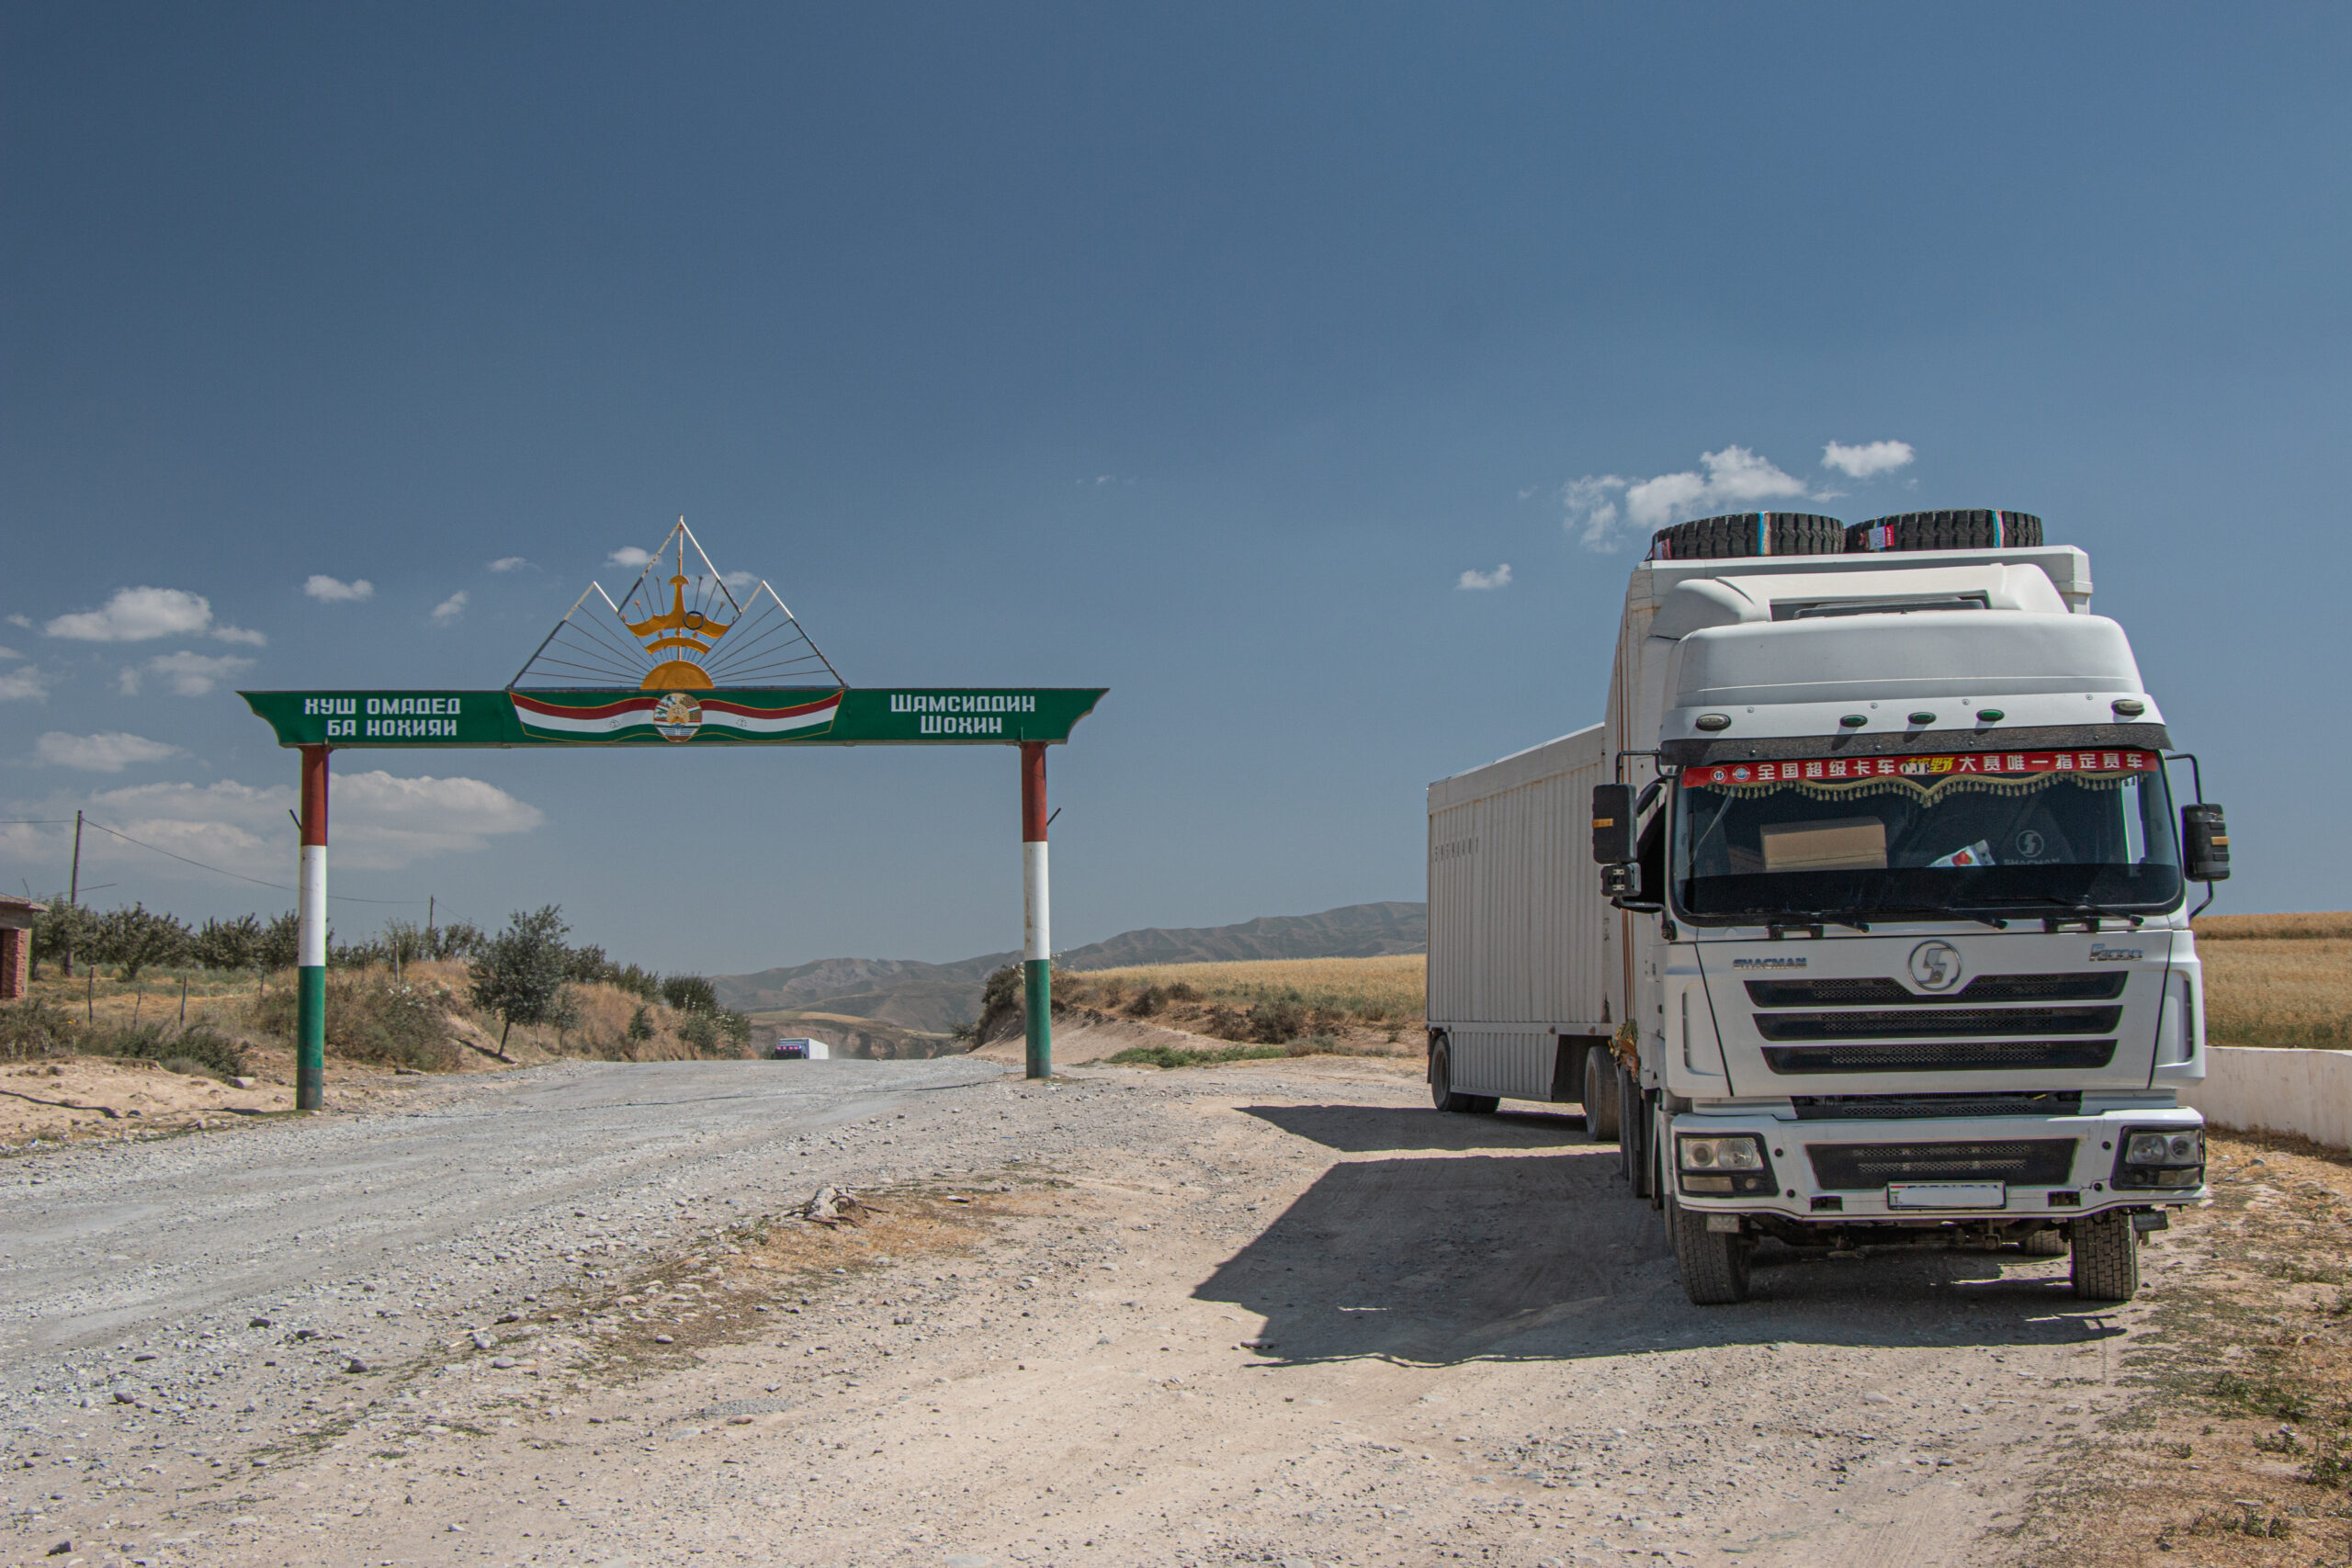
(228,944)
(521,974)
(139,938)
(690,993)
(66,929)
(281,942)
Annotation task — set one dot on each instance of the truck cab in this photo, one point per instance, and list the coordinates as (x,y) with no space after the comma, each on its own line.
(1897,947)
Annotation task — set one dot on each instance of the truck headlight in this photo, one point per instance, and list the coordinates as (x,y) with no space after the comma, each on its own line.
(1725,1166)
(1722,1154)
(2167,1158)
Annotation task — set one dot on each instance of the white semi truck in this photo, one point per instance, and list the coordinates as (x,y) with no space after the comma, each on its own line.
(1861,917)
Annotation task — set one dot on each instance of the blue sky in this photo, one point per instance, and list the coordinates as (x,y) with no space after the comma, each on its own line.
(1196,352)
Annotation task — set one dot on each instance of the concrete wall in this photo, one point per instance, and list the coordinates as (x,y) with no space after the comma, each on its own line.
(2308,1092)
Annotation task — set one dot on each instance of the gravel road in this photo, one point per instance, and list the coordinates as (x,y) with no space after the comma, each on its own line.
(1277,1313)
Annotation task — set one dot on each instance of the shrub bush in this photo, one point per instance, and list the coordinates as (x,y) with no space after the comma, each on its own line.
(201,1050)
(36,1029)
(371,1019)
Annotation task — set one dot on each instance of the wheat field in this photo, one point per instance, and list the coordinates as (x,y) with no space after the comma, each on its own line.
(2278,979)
(2281,980)
(1385,989)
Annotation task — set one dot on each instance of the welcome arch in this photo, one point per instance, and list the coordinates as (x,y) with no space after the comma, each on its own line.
(680,660)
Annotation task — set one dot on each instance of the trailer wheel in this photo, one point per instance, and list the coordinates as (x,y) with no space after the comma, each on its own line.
(1442,1093)
(1714,1263)
(1599,1095)
(2051,1243)
(2106,1259)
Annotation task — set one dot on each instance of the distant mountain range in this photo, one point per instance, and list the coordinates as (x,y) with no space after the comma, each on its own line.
(932,998)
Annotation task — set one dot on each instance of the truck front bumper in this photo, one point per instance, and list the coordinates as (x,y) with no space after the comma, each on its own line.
(1931,1171)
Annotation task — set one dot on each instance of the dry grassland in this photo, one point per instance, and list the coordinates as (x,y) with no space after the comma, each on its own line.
(2277,980)
(1371,991)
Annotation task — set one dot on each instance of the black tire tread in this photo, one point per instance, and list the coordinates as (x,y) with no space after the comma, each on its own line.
(1978,528)
(1599,1095)
(2106,1259)
(1736,534)
(1714,1264)
(2051,1243)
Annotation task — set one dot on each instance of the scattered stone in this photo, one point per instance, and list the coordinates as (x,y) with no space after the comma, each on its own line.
(663,1340)
(259,1323)
(353,1364)
(501,1362)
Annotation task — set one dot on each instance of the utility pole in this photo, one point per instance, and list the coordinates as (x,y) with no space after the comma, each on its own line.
(73,897)
(432,948)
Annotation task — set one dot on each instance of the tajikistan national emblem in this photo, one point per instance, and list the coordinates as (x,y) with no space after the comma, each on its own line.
(677,717)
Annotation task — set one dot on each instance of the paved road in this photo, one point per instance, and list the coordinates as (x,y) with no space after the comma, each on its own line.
(122,1242)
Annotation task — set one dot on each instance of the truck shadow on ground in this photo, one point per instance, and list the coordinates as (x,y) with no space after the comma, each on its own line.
(1497,1238)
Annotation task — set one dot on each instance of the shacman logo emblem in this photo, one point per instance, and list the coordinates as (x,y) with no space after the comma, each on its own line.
(1935,966)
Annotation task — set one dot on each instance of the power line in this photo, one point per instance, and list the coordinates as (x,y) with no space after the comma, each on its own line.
(223,871)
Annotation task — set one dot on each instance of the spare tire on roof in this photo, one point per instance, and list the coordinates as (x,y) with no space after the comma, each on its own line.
(1750,534)
(1966,529)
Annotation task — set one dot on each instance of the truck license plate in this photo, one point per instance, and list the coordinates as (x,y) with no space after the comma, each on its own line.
(1946,1195)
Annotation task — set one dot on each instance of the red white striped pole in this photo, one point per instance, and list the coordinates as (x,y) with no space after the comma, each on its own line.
(1037,934)
(311,939)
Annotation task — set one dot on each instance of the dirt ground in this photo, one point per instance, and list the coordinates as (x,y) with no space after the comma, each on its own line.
(2236,1446)
(1275,1313)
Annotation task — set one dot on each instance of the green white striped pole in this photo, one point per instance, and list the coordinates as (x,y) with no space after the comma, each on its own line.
(1036,935)
(311,941)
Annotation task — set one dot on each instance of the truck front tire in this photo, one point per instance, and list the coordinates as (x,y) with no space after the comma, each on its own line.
(1599,1095)
(2106,1257)
(1714,1263)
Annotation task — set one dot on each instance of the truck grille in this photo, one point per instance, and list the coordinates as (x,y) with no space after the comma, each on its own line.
(1942,1024)
(1940,1055)
(1893,1107)
(2022,1162)
(1885,993)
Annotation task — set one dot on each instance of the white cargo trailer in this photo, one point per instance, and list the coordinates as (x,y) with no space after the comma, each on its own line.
(1861,917)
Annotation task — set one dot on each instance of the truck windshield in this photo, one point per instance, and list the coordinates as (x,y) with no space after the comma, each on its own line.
(2003,833)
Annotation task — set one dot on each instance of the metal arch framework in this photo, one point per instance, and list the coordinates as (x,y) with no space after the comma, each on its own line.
(695,667)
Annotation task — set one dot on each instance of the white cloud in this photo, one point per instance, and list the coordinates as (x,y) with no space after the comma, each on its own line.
(739,581)
(629,555)
(137,614)
(142,615)
(190,674)
(1733,479)
(25,684)
(508,563)
(108,752)
(449,609)
(24,621)
(9,653)
(334,591)
(381,823)
(126,680)
(1498,578)
(1868,460)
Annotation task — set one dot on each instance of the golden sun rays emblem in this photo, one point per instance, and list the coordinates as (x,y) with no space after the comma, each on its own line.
(677,717)
(686,635)
(682,625)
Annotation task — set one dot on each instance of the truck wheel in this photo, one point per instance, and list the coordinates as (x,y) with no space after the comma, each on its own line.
(2051,1243)
(1442,1093)
(1750,534)
(1977,529)
(1599,1095)
(2106,1259)
(1714,1263)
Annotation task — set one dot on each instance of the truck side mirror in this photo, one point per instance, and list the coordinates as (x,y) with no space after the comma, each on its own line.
(2204,843)
(1612,824)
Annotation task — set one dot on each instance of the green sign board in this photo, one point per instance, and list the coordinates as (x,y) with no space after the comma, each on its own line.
(831,715)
